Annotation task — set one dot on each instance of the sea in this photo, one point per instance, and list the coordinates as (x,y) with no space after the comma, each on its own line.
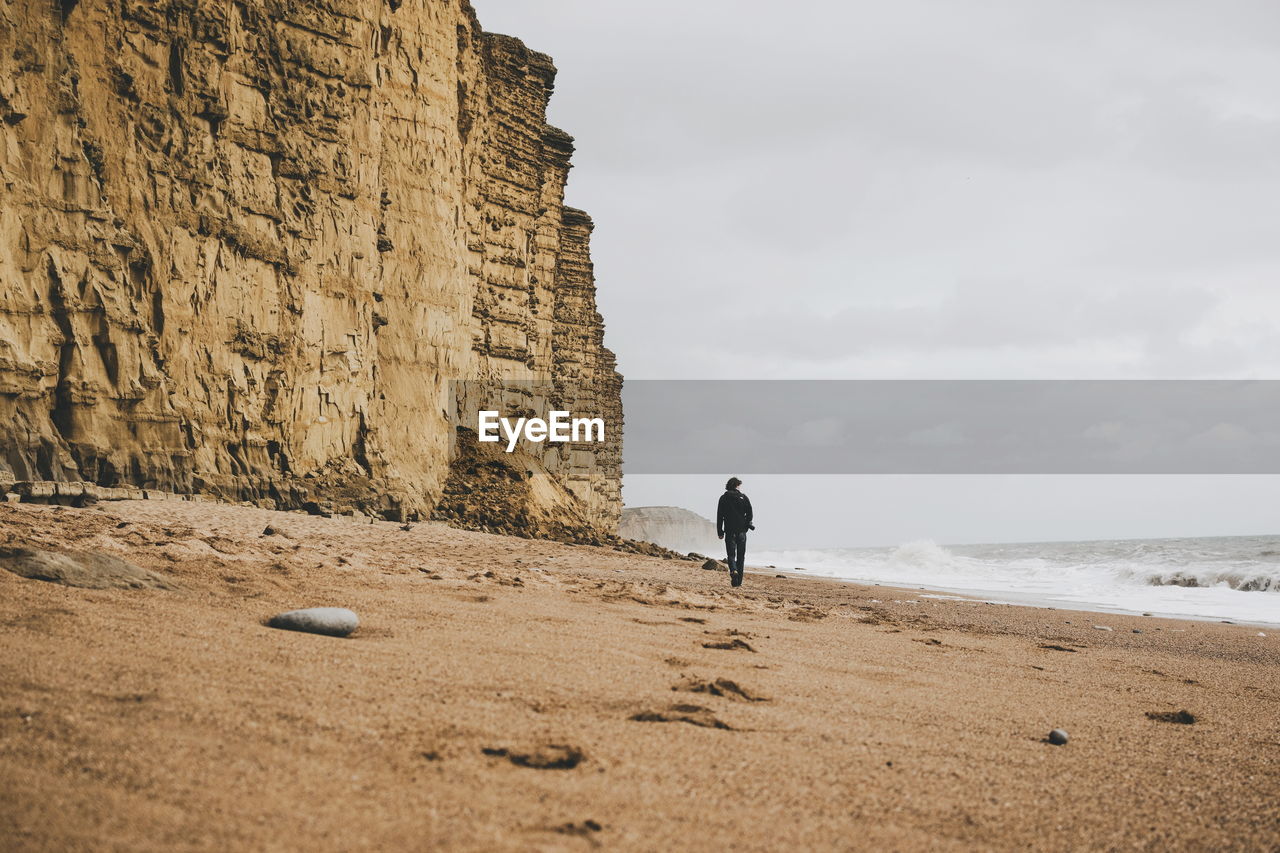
(1231,578)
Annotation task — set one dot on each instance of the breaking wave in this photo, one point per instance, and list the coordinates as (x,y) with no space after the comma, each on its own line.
(1234,578)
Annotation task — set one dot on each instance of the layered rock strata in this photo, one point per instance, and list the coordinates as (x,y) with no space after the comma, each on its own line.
(246,246)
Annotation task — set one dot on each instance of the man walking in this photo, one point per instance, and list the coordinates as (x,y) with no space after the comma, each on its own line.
(733,520)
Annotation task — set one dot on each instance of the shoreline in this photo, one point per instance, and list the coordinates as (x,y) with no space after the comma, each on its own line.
(515,694)
(1018,600)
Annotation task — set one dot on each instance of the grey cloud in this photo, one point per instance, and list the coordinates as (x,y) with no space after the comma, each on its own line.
(979,314)
(924,188)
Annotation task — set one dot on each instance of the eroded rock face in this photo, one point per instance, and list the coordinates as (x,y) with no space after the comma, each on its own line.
(245,246)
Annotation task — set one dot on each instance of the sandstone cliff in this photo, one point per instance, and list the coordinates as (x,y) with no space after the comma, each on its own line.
(246,244)
(671,527)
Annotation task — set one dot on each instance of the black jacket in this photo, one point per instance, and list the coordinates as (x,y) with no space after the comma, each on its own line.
(734,513)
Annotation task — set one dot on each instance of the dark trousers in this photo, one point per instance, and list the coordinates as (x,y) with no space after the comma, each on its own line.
(735,546)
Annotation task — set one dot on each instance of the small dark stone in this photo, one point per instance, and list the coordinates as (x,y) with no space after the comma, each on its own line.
(582,830)
(1058,737)
(269,531)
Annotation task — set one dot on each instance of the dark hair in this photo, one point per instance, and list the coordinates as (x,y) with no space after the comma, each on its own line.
(733,483)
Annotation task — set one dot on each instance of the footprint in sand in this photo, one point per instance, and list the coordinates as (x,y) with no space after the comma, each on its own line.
(807,614)
(1171,677)
(1185,718)
(729,645)
(694,715)
(729,640)
(555,756)
(481,577)
(722,687)
(585,829)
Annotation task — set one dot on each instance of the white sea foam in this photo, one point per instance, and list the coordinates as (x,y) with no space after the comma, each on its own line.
(1235,578)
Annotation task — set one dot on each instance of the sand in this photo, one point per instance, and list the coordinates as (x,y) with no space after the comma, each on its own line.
(506,694)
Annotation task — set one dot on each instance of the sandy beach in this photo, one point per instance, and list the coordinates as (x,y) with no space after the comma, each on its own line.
(504,693)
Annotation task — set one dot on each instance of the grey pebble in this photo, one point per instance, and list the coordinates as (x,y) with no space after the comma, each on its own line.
(330,621)
(1058,737)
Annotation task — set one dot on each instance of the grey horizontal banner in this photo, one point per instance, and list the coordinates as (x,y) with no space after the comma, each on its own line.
(952,427)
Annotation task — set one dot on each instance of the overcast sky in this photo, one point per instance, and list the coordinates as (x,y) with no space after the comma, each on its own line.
(930,190)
